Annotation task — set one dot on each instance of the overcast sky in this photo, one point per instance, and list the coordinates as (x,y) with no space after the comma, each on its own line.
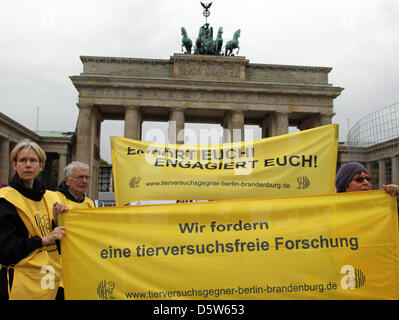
(41,42)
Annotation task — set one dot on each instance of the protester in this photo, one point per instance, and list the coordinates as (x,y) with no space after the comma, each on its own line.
(72,189)
(72,194)
(353,176)
(30,261)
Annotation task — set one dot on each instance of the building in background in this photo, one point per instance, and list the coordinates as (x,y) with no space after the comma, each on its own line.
(228,91)
(374,142)
(57,145)
(106,196)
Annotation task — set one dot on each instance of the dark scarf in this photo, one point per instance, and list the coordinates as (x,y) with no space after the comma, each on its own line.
(63,188)
(36,193)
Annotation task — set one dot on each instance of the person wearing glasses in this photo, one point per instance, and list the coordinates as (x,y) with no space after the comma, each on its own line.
(353,176)
(29,260)
(72,189)
(71,192)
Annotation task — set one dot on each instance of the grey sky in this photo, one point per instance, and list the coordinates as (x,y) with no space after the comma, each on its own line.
(42,42)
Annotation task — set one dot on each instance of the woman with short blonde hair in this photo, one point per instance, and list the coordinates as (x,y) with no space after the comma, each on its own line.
(28,144)
(29,259)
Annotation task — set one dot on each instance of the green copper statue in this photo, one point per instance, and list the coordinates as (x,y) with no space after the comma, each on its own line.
(186,41)
(218,43)
(233,44)
(205,44)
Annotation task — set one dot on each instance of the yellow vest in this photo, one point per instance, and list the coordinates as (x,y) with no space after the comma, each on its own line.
(37,276)
(87,203)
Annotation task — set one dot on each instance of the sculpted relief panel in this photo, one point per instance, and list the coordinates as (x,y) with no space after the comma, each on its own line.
(209,70)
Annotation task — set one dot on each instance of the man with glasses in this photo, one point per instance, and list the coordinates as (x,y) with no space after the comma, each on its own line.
(72,189)
(353,176)
(71,192)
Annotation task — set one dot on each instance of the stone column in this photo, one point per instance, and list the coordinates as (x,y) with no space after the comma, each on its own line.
(281,123)
(316,120)
(395,170)
(87,144)
(369,167)
(382,172)
(83,134)
(237,125)
(176,126)
(227,129)
(62,162)
(95,153)
(133,119)
(264,125)
(4,160)
(325,119)
(268,126)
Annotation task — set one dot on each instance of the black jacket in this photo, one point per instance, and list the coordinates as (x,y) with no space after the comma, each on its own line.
(15,243)
(63,188)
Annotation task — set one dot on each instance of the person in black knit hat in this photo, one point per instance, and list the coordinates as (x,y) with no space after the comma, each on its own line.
(353,176)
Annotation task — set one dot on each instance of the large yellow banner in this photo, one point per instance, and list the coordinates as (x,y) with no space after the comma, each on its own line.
(299,163)
(337,246)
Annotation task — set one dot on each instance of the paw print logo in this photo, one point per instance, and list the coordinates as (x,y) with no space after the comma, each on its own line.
(303,182)
(134,182)
(105,290)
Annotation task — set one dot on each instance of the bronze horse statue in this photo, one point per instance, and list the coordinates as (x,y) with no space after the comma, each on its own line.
(186,41)
(233,44)
(218,43)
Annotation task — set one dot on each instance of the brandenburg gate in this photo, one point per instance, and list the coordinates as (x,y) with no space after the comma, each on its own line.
(225,90)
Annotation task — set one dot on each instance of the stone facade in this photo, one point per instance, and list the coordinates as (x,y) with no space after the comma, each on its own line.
(228,91)
(380,159)
(57,145)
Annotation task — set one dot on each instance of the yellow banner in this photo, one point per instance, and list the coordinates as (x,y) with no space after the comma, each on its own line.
(299,163)
(337,246)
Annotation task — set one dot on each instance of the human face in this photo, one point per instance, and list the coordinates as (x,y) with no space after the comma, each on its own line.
(27,166)
(78,183)
(357,185)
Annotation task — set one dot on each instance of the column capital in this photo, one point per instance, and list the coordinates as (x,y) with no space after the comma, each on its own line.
(84,106)
(63,153)
(131,107)
(238,115)
(238,111)
(330,114)
(177,109)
